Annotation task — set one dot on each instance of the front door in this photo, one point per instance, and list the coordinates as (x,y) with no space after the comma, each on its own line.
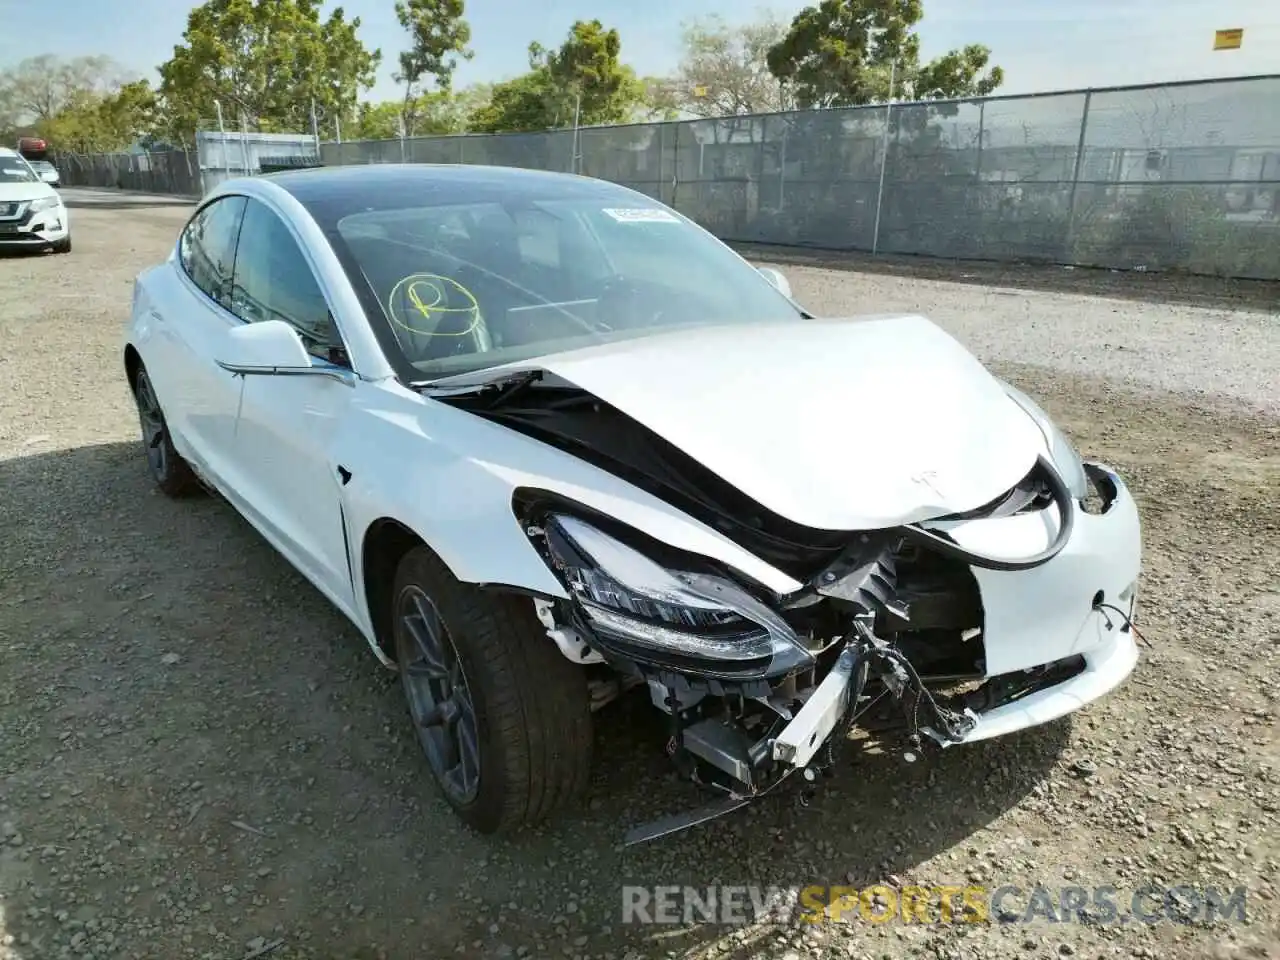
(291,485)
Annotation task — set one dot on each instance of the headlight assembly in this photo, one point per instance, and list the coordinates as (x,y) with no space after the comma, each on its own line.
(683,620)
(44,203)
(1061,450)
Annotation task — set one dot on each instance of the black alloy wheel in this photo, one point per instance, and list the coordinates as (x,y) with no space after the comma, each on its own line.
(172,474)
(154,434)
(439,698)
(503,717)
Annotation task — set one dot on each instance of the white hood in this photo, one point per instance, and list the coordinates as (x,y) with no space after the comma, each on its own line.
(12,191)
(834,424)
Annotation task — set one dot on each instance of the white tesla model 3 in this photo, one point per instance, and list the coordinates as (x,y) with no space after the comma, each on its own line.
(543,440)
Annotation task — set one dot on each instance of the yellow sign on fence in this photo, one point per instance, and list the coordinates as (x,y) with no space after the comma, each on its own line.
(1228,39)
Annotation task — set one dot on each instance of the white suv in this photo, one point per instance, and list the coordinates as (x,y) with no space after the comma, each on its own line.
(32,214)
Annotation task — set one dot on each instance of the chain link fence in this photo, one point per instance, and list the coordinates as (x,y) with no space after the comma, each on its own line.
(1182,177)
(173,172)
(1173,177)
(218,155)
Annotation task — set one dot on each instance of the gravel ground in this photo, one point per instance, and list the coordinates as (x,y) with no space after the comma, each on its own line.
(1205,339)
(200,758)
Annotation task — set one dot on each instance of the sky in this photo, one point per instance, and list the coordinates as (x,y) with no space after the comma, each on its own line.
(1041,44)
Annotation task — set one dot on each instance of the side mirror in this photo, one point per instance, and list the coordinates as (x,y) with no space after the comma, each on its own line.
(776,278)
(273,348)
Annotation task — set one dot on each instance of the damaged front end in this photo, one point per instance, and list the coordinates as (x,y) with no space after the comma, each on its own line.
(918,625)
(757,688)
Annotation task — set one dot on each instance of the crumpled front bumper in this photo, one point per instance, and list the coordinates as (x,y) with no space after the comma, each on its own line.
(1106,667)
(1033,618)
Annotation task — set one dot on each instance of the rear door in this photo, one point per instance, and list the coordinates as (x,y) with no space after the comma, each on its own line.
(291,484)
(190,316)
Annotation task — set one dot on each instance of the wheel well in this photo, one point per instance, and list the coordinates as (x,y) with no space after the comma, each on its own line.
(385,544)
(132,364)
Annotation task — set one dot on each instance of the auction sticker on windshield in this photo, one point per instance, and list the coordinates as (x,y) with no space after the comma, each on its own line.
(642,215)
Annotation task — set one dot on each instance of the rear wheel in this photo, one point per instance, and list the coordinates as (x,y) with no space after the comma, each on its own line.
(171,473)
(503,718)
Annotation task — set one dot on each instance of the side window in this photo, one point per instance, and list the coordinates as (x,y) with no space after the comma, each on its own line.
(273,281)
(207,247)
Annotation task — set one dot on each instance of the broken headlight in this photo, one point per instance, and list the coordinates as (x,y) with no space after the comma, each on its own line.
(684,620)
(1065,458)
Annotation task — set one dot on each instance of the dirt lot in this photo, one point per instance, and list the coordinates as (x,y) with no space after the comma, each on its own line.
(199,758)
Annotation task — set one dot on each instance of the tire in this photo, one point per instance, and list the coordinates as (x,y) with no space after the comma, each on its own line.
(63,245)
(530,717)
(172,474)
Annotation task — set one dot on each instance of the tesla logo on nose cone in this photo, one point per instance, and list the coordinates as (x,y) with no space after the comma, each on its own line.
(926,479)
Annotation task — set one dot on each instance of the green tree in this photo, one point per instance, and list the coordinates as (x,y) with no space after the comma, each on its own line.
(467,100)
(588,75)
(374,121)
(78,125)
(442,112)
(724,69)
(130,114)
(91,122)
(268,62)
(438,39)
(960,73)
(660,100)
(82,104)
(842,53)
(518,104)
(438,112)
(584,78)
(38,87)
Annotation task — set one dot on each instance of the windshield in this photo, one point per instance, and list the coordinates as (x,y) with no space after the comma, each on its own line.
(15,170)
(469,286)
(41,166)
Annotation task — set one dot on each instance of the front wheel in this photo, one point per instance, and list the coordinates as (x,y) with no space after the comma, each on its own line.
(503,718)
(63,245)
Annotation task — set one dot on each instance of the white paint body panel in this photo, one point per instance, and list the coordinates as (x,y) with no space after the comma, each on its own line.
(1050,608)
(178,332)
(835,424)
(19,191)
(1106,667)
(455,491)
(284,440)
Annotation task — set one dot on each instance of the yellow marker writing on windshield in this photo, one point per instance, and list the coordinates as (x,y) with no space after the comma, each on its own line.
(425,293)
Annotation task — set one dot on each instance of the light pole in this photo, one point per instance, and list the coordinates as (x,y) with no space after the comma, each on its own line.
(577,117)
(884,157)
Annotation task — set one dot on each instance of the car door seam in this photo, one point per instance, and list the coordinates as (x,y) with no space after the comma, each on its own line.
(235,427)
(346,549)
